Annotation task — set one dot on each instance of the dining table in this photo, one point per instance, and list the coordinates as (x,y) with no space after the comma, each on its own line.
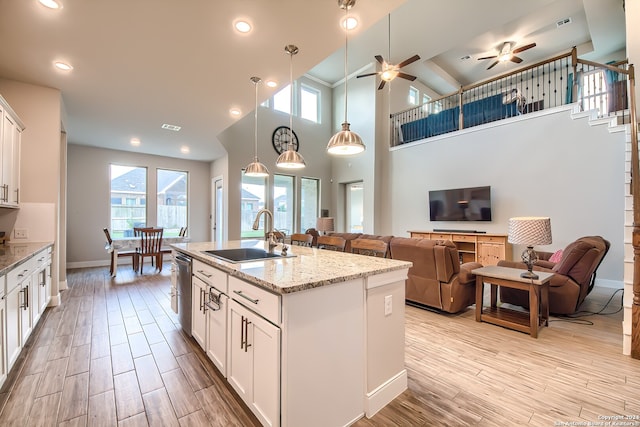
(130,243)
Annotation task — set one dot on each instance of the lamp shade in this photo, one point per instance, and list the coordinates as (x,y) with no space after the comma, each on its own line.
(530,231)
(290,159)
(324,224)
(345,142)
(256,169)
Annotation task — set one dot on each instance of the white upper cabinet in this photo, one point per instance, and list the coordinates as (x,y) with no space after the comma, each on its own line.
(10,136)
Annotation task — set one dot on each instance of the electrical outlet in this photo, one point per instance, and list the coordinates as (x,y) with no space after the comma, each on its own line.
(21,233)
(388,305)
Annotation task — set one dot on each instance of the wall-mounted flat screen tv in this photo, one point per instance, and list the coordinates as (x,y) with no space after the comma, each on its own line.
(460,204)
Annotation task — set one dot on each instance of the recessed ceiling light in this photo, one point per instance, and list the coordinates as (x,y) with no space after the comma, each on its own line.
(171,127)
(184,149)
(62,66)
(135,142)
(51,4)
(271,83)
(242,26)
(235,112)
(349,23)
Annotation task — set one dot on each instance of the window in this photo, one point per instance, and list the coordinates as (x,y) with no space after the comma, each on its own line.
(413,95)
(594,90)
(309,103)
(425,98)
(254,194)
(128,199)
(172,201)
(282,100)
(309,203)
(283,203)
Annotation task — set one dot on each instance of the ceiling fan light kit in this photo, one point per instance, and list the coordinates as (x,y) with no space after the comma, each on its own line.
(291,159)
(507,53)
(345,142)
(256,168)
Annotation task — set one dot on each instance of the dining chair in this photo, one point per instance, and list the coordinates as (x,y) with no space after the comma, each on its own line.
(183,232)
(370,247)
(115,253)
(150,246)
(301,239)
(333,243)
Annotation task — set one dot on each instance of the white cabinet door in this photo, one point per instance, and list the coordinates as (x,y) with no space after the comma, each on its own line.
(13,313)
(8,133)
(217,331)
(3,342)
(198,313)
(26,324)
(254,362)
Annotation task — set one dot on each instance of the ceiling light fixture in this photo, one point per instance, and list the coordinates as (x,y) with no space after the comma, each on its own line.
(256,168)
(349,23)
(271,83)
(51,4)
(242,26)
(235,112)
(345,142)
(290,159)
(135,142)
(62,66)
(184,149)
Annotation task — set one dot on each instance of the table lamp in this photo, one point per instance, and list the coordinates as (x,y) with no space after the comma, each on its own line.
(324,224)
(530,231)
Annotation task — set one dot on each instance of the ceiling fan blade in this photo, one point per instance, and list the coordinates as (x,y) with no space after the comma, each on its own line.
(366,75)
(487,57)
(516,59)
(492,65)
(523,48)
(381,84)
(380,59)
(406,76)
(408,61)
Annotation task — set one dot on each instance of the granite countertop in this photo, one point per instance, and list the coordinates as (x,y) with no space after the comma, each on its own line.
(14,254)
(309,268)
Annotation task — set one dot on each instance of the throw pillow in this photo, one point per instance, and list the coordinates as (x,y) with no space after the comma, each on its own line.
(557,256)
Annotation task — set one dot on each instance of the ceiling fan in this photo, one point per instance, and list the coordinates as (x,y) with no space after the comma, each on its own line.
(390,71)
(506,54)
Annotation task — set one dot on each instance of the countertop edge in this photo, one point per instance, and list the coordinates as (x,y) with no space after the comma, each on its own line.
(33,250)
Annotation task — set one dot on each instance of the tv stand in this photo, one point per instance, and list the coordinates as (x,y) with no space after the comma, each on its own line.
(478,246)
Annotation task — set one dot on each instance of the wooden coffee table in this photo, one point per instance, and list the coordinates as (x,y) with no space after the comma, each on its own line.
(510,277)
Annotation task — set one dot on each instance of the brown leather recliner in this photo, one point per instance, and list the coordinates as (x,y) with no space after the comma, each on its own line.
(436,278)
(574,276)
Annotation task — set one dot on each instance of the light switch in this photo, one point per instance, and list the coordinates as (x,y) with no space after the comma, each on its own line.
(388,305)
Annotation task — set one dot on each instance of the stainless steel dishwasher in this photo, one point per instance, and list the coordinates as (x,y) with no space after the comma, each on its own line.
(184,291)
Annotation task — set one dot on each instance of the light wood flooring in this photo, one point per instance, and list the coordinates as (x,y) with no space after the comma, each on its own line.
(113,354)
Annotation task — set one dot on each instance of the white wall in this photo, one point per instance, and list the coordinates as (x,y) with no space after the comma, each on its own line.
(88,201)
(238,140)
(537,165)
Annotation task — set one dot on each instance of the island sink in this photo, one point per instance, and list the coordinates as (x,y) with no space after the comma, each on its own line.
(243,254)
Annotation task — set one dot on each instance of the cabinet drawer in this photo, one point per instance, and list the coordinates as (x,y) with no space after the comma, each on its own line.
(42,258)
(440,236)
(420,235)
(19,273)
(257,299)
(210,275)
(463,238)
(492,239)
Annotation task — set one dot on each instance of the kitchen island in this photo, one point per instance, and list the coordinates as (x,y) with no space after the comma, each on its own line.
(315,338)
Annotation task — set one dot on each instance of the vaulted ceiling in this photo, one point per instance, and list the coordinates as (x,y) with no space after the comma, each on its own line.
(140,64)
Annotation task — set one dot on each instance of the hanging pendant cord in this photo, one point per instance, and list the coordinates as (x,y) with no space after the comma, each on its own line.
(290,144)
(255,116)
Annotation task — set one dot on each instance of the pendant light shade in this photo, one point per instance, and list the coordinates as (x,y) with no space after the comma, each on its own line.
(256,168)
(290,158)
(345,142)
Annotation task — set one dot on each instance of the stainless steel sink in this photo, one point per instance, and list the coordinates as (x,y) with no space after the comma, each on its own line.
(244,254)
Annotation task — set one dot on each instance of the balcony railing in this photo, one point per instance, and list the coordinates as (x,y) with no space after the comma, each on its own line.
(564,79)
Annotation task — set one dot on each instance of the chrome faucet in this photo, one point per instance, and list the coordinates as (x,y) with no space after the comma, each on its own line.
(273,242)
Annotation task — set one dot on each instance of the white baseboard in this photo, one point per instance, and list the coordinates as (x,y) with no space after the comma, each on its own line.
(384,394)
(62,286)
(87,264)
(54,301)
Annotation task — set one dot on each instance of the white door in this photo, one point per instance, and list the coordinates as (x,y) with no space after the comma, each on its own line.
(355,207)
(217,217)
(14,300)
(217,330)
(3,345)
(239,368)
(198,314)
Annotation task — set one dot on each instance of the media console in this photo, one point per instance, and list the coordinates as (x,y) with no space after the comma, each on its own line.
(478,246)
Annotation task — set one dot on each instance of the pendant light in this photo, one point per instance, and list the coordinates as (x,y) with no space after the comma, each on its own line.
(256,168)
(290,159)
(345,142)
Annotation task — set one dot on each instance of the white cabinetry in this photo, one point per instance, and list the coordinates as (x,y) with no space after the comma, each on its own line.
(217,305)
(254,362)
(3,323)
(10,135)
(41,279)
(199,311)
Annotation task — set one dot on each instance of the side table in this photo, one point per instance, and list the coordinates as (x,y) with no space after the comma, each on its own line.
(510,277)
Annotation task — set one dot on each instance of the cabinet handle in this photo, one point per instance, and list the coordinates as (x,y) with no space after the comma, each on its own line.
(26,298)
(208,276)
(255,301)
(246,334)
(241,332)
(17,195)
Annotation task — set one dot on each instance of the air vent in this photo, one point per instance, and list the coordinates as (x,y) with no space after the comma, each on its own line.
(171,127)
(562,22)
(465,58)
